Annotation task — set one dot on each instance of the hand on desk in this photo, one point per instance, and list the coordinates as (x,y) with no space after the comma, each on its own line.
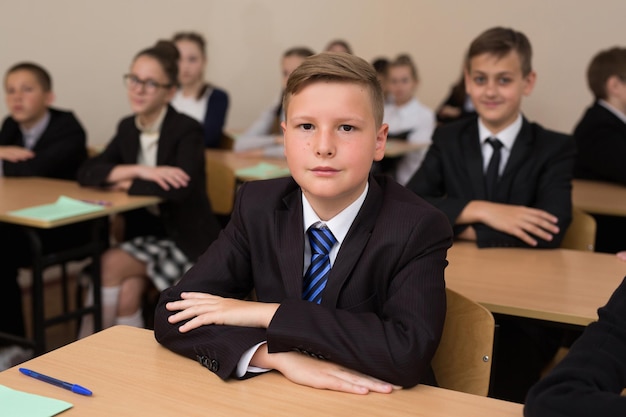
(316,373)
(525,223)
(203,309)
(15,153)
(165,176)
(621,255)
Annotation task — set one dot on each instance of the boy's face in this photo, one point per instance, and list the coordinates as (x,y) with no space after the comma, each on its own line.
(331,140)
(496,87)
(25,97)
(401,84)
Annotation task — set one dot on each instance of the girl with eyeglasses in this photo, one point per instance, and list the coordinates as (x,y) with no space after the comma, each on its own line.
(156,151)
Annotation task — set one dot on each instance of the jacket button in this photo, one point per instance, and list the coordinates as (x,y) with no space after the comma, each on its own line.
(214,365)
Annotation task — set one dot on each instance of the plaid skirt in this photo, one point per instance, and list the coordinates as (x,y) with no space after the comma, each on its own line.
(165,262)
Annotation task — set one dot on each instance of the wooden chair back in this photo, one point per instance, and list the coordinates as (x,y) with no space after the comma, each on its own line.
(221,185)
(464,356)
(581,233)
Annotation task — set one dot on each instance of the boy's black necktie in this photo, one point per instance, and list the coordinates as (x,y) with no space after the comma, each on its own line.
(491,176)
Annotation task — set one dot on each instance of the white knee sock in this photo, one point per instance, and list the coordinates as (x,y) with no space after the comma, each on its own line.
(110,296)
(110,301)
(135,319)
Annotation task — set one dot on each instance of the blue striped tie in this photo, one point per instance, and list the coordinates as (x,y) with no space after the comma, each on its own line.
(322,241)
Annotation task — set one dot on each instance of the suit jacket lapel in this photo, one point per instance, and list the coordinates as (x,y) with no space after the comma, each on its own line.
(522,147)
(354,244)
(470,145)
(290,238)
(167,130)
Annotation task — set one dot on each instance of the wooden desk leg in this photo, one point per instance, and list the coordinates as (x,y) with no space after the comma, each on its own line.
(98,231)
(39,328)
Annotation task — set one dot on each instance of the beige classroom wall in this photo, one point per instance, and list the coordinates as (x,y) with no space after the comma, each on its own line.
(88,45)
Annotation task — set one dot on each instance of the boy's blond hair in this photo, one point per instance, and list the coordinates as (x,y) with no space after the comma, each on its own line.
(337,67)
(603,66)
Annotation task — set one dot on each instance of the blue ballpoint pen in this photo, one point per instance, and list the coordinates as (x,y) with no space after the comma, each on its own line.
(72,387)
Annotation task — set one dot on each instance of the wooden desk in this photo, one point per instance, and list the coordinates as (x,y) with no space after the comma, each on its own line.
(18,193)
(236,161)
(559,285)
(131,375)
(599,197)
(246,159)
(398,147)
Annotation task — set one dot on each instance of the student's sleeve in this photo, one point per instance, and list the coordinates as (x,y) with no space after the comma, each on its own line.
(395,345)
(65,146)
(589,380)
(224,270)
(215,118)
(429,182)
(607,154)
(189,156)
(95,171)
(553,193)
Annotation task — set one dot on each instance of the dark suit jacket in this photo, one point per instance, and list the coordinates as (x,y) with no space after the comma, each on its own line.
(383,308)
(59,152)
(588,381)
(186,212)
(538,174)
(601,140)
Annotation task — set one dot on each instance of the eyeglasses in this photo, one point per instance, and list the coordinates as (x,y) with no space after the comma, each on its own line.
(150,86)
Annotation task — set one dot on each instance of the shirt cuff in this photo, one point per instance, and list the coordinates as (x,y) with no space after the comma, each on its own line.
(243,366)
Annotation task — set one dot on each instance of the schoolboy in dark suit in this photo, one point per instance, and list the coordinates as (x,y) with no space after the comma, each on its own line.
(590,379)
(601,138)
(601,133)
(35,140)
(382,308)
(503,181)
(531,201)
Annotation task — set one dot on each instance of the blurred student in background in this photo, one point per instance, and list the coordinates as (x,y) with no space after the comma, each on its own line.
(196,97)
(407,118)
(156,151)
(266,132)
(35,140)
(338,45)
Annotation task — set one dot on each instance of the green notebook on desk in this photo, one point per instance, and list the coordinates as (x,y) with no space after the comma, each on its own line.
(64,207)
(23,404)
(262,171)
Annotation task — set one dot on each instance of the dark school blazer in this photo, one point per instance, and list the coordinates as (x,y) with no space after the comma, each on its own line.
(538,174)
(186,212)
(59,152)
(601,141)
(381,313)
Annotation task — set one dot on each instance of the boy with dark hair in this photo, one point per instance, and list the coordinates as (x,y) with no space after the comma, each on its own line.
(601,133)
(503,181)
(35,140)
(358,302)
(601,138)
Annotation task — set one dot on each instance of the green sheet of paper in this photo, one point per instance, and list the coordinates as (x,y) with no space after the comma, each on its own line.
(62,208)
(15,403)
(263,170)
